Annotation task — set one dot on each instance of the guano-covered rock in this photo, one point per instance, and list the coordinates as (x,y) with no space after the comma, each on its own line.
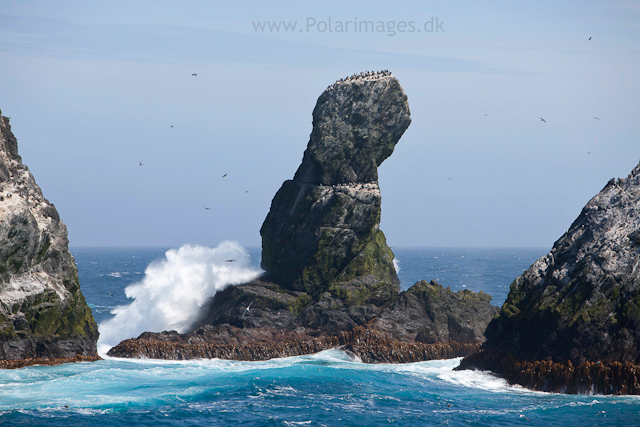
(43,314)
(575,313)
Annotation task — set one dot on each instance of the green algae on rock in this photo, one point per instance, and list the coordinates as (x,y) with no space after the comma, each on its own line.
(43,313)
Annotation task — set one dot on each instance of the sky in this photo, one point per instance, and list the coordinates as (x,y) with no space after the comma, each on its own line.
(93,89)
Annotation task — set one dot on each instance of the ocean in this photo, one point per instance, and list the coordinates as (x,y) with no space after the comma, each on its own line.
(324,389)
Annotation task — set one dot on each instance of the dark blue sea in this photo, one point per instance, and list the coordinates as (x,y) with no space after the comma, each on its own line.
(136,289)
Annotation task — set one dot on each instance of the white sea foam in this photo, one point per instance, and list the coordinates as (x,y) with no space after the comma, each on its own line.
(396,265)
(173,290)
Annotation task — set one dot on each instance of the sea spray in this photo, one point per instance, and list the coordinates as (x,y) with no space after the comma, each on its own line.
(173,290)
(396,265)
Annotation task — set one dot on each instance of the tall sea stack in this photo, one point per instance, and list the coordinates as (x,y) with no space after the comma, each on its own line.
(330,279)
(322,232)
(571,322)
(43,314)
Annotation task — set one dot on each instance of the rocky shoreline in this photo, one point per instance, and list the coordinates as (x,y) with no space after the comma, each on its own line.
(363,343)
(614,378)
(46,361)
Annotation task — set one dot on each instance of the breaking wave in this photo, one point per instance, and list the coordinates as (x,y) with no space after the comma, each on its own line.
(173,290)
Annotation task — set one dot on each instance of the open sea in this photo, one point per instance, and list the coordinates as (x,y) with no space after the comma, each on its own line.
(324,389)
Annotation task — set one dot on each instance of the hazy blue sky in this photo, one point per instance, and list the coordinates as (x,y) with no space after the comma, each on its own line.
(93,89)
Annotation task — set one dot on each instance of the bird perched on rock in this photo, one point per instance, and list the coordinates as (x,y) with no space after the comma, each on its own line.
(247,309)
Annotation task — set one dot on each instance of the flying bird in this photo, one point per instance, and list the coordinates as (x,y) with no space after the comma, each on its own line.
(589,38)
(207,208)
(194,75)
(596,118)
(522,416)
(247,309)
(140,163)
(486,115)
(588,152)
(110,294)
(247,191)
(543,120)
(171,125)
(224,176)
(231,260)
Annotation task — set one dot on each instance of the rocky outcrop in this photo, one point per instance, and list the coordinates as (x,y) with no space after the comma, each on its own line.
(322,232)
(330,279)
(259,320)
(429,313)
(580,304)
(42,311)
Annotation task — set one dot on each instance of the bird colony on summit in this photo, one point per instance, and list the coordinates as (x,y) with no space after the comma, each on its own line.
(361,76)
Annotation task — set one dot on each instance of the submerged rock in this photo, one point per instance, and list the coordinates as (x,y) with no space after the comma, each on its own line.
(580,304)
(43,314)
(322,232)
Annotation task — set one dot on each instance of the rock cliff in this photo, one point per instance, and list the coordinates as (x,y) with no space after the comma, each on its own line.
(42,311)
(330,279)
(578,306)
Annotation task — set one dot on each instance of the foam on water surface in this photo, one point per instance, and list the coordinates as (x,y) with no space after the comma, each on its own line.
(173,290)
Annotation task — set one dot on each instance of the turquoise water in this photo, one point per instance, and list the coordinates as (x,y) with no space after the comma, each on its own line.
(326,389)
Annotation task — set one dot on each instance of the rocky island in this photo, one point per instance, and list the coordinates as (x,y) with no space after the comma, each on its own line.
(571,322)
(44,318)
(329,276)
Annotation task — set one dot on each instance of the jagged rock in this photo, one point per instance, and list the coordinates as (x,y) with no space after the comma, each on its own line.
(322,232)
(581,302)
(268,306)
(429,313)
(43,314)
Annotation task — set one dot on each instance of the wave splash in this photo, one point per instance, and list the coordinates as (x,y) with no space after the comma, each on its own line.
(173,290)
